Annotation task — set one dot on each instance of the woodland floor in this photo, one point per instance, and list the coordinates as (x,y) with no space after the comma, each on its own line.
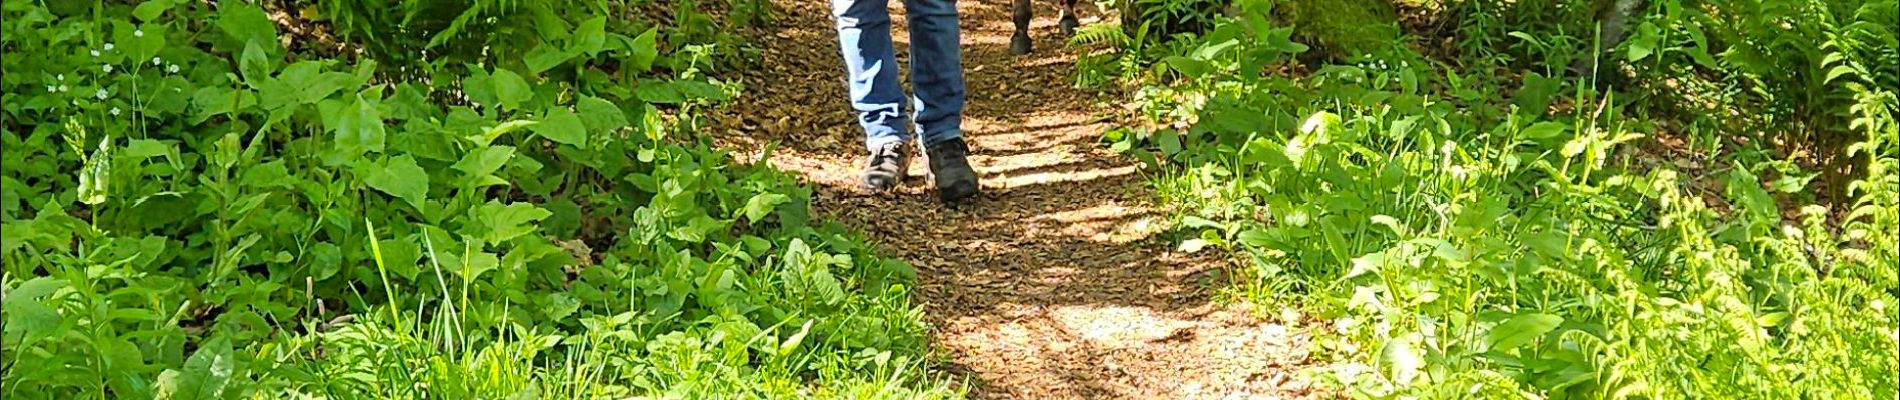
(1052,284)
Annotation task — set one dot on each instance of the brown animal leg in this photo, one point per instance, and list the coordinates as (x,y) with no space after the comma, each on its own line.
(1019,42)
(1069,23)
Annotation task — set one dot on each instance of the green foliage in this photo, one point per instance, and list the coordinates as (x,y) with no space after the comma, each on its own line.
(1523,252)
(1343,28)
(193,211)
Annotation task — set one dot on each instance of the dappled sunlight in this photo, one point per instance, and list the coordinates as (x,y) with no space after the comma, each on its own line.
(1050,284)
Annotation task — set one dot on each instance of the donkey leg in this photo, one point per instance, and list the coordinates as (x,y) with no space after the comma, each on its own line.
(1019,42)
(1069,23)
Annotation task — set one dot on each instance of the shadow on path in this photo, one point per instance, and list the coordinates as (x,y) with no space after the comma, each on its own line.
(1052,284)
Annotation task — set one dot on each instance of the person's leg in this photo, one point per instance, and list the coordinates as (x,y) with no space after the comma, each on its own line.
(864,35)
(936,75)
(936,69)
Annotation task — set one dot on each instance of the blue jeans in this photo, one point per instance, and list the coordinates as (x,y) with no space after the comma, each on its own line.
(936,69)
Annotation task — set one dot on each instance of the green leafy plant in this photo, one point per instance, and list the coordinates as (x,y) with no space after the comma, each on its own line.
(1443,251)
(191,210)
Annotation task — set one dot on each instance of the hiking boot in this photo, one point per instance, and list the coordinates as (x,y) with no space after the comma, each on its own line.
(950,169)
(887,166)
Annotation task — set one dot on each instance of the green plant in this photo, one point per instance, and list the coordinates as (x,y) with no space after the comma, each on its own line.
(191,210)
(1448,252)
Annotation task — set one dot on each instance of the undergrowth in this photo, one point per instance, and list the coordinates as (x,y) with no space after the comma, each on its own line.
(1449,238)
(192,210)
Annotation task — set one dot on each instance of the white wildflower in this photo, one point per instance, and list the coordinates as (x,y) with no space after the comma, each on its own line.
(138,33)
(115,111)
(50,89)
(101,94)
(95,53)
(156,61)
(172,68)
(64,88)
(107,68)
(60,77)
(108,47)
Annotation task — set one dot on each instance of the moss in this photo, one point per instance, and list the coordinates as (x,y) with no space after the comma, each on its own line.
(1340,28)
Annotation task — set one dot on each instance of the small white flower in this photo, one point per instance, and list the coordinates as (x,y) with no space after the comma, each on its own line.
(172,68)
(108,47)
(101,94)
(115,111)
(60,77)
(63,88)
(138,33)
(107,68)
(95,53)
(50,89)
(156,61)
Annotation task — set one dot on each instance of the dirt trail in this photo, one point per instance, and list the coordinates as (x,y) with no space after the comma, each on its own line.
(1051,284)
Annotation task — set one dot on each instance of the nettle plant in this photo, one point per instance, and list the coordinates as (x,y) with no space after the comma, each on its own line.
(194,211)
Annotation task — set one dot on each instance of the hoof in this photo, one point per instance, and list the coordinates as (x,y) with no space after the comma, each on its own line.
(1069,24)
(1019,43)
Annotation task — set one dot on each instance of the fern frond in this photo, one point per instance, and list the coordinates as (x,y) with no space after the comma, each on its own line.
(1099,33)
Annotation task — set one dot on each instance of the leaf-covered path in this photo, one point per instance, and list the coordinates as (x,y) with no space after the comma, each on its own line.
(1052,284)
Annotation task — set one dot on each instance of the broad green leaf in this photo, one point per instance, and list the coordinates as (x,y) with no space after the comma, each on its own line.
(1255,238)
(152,9)
(590,36)
(141,149)
(497,223)
(321,86)
(697,229)
(203,377)
(762,204)
(487,160)
(545,57)
(562,126)
(479,87)
(1169,140)
(1543,131)
(510,90)
(1520,330)
(1643,43)
(791,343)
(699,90)
(489,134)
(244,23)
(253,65)
(1187,66)
(600,115)
(1193,245)
(1548,243)
(659,93)
(27,315)
(272,174)
(147,41)
(400,177)
(564,218)
(644,49)
(358,125)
